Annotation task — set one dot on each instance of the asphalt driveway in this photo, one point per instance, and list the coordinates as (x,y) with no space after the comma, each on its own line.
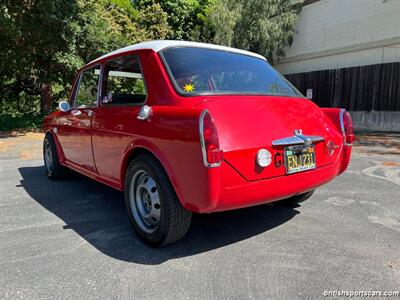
(72,239)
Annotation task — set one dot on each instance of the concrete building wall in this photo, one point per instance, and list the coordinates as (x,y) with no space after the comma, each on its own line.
(376,121)
(334,34)
(338,34)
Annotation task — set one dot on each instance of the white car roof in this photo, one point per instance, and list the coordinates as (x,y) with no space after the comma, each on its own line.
(159,45)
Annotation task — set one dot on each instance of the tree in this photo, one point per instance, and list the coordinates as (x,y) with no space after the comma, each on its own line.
(182,15)
(35,33)
(153,22)
(44,42)
(262,26)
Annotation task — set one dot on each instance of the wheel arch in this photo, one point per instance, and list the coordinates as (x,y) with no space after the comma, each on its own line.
(60,152)
(144,147)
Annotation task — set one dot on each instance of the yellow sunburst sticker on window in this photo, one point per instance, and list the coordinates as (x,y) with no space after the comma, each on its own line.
(188,88)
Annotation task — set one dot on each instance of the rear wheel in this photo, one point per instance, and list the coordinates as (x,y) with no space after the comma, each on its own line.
(294,200)
(152,205)
(54,170)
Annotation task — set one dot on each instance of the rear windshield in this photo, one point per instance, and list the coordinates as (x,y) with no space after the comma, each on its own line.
(200,71)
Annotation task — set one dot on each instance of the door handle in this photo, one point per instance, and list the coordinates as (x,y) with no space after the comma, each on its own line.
(89,112)
(75,112)
(145,113)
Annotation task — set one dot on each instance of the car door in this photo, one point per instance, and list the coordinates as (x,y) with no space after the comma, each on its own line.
(115,124)
(75,132)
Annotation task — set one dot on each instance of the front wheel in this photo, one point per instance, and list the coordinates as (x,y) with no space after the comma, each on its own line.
(54,170)
(152,205)
(294,200)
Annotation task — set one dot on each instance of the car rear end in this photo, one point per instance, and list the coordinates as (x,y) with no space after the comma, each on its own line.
(258,157)
(261,140)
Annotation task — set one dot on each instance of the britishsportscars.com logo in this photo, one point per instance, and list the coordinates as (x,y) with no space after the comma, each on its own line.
(351,294)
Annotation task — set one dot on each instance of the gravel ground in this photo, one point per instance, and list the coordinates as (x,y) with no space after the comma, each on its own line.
(72,239)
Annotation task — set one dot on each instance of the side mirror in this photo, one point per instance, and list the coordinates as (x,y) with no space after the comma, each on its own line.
(64,106)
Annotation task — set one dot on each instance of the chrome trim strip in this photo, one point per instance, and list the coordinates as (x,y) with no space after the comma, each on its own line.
(202,142)
(341,117)
(288,141)
(298,139)
(342,122)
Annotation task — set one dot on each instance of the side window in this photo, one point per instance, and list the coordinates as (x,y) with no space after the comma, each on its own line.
(86,96)
(123,82)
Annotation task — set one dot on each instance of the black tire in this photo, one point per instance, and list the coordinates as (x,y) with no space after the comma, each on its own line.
(54,170)
(294,200)
(173,220)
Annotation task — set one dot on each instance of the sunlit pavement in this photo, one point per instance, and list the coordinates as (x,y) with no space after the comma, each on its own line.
(72,239)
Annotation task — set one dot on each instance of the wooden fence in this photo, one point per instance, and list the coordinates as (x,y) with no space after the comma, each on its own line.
(364,88)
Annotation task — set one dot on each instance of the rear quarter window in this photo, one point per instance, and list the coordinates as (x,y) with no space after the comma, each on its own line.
(123,82)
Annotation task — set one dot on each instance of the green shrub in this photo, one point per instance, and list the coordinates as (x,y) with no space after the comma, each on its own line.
(25,121)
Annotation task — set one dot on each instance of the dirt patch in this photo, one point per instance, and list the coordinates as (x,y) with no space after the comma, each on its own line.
(18,132)
(7,139)
(33,136)
(369,151)
(391,164)
(379,139)
(22,145)
(378,143)
(29,154)
(6,145)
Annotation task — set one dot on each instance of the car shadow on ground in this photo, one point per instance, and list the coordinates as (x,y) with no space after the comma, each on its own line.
(97,213)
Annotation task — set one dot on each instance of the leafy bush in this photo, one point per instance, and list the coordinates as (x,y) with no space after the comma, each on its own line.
(22,111)
(25,121)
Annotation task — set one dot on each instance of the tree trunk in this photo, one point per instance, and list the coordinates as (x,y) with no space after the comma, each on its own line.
(46,99)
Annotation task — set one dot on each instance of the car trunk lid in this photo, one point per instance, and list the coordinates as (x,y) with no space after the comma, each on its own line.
(247,124)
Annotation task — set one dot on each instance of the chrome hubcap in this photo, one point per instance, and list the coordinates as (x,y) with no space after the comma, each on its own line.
(144,200)
(48,157)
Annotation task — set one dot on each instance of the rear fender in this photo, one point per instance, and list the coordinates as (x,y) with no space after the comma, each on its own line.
(142,146)
(334,115)
(171,134)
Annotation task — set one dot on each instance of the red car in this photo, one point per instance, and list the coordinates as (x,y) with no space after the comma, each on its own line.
(186,128)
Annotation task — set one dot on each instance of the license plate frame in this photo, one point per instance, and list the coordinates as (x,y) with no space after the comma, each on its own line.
(299,158)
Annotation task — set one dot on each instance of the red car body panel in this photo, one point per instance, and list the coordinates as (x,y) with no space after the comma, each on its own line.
(253,124)
(101,145)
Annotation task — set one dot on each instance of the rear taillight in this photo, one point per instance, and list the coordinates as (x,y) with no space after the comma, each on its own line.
(212,154)
(347,127)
